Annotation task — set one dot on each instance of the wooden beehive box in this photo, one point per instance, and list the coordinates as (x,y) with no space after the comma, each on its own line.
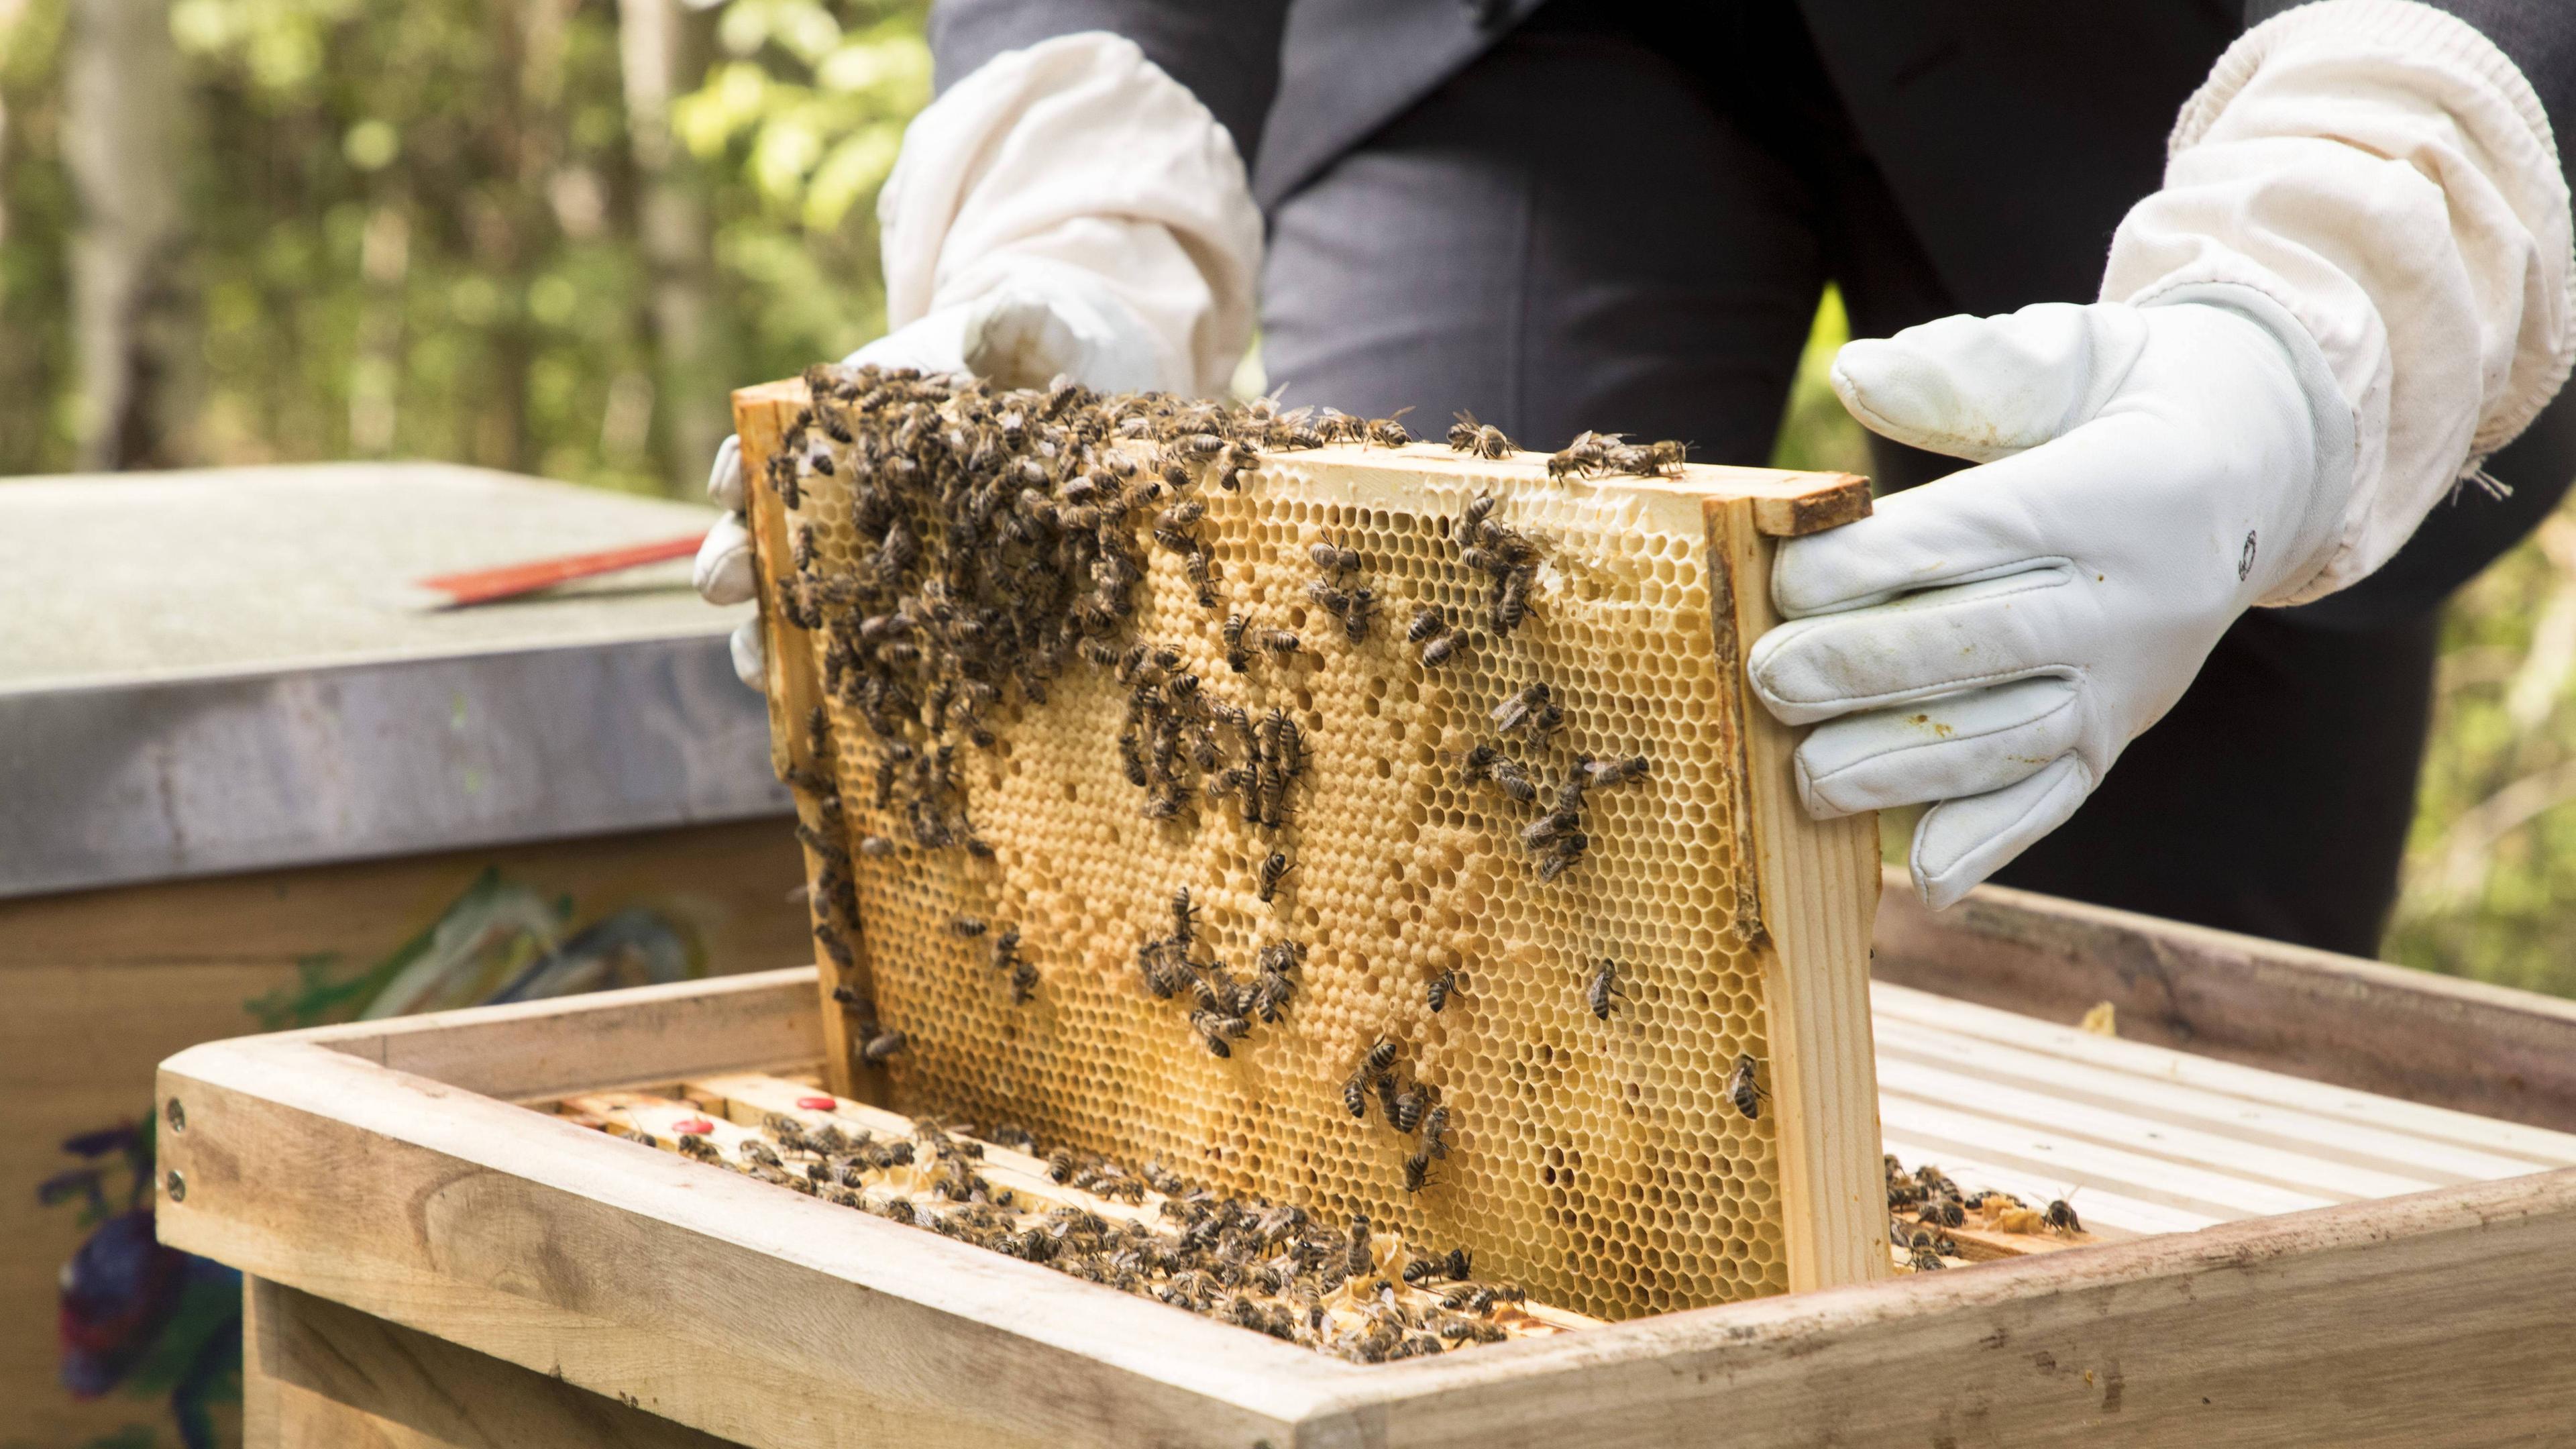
(1600,1155)
(434,1264)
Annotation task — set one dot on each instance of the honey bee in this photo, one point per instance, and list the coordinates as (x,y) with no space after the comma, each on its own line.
(1379,1057)
(1237,657)
(1388,1091)
(1652,460)
(1562,855)
(1945,1211)
(1272,869)
(1405,1108)
(1215,1030)
(1360,1258)
(1387,432)
(1511,599)
(968,926)
(1612,772)
(1549,827)
(1335,426)
(1604,986)
(1428,622)
(883,1047)
(833,946)
(2060,1218)
(1467,435)
(1024,982)
(693,1145)
(1747,1094)
(1435,1138)
(1923,1255)
(1356,617)
(1279,641)
(1589,453)
(1505,774)
(1355,1096)
(1333,559)
(1417,1171)
(1440,651)
(1516,711)
(1271,989)
(1006,949)
(1185,918)
(1443,986)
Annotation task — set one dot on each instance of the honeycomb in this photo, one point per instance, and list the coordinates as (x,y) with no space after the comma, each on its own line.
(1601,1163)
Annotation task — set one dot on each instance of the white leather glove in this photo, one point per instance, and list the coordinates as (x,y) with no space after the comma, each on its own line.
(1993,640)
(1066,209)
(1024,333)
(2354,284)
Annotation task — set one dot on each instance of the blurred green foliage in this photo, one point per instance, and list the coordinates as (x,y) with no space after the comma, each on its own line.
(415,221)
(2490,887)
(416,233)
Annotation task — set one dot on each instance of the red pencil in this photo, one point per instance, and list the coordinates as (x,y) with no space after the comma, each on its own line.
(482,586)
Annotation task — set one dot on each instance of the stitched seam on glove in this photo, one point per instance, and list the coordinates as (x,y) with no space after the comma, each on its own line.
(1914,856)
(1954,738)
(2073,673)
(2037,564)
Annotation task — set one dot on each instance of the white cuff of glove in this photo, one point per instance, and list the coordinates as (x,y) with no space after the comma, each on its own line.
(1069,207)
(2382,173)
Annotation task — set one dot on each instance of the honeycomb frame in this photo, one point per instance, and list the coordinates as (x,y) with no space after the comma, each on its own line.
(1599,1163)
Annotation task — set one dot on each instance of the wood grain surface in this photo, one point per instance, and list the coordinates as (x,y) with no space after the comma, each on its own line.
(2434,1039)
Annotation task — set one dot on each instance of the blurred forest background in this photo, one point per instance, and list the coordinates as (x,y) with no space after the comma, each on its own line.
(546,235)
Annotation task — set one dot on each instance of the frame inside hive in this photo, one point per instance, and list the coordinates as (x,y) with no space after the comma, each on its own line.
(1601,1164)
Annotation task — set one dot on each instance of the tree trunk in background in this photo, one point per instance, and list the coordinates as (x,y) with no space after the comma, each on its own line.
(9,10)
(134,312)
(662,55)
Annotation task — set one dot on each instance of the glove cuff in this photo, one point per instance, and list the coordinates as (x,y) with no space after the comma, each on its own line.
(2330,418)
(1079,154)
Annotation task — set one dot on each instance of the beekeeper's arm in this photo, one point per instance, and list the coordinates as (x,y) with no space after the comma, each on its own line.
(1066,206)
(2352,288)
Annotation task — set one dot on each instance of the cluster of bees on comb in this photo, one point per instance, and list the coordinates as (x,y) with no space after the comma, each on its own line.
(1003,538)
(1271,1268)
(1924,1204)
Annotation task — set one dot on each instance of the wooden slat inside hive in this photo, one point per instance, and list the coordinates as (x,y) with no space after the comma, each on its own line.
(1601,1163)
(729,1110)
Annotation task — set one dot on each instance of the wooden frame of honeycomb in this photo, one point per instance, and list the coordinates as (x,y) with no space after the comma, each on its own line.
(1600,1160)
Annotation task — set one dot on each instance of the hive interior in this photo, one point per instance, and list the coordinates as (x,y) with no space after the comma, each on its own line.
(1601,1164)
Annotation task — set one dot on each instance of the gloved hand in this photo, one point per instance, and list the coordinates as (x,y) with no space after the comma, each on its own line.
(1064,209)
(1992,641)
(1046,322)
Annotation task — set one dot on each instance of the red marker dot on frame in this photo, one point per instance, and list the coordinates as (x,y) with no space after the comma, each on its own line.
(695,1126)
(817,1104)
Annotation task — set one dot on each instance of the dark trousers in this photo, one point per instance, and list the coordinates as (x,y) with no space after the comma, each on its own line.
(1581,231)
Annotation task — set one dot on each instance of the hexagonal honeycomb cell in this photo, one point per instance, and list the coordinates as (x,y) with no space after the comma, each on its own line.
(1600,1162)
